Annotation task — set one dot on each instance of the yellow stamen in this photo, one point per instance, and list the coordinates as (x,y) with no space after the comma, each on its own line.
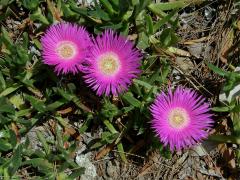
(109,64)
(178,118)
(66,50)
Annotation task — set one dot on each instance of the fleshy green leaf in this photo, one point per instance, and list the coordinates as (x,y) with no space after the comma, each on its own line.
(5,106)
(128,97)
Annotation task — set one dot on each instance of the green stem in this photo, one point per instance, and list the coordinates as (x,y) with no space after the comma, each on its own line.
(110,126)
(224,139)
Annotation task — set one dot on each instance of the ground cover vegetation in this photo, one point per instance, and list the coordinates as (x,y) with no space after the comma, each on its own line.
(119,89)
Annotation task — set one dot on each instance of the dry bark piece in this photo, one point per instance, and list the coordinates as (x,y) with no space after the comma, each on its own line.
(75,134)
(227,43)
(194,41)
(228,155)
(65,111)
(104,151)
(57,14)
(16,131)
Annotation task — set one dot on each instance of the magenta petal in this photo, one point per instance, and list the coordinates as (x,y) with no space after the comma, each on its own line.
(129,61)
(199,118)
(67,33)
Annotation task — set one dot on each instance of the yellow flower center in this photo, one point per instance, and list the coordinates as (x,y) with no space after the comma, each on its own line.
(178,118)
(66,50)
(109,64)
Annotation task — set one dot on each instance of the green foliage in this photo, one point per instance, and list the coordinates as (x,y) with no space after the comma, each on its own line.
(31,4)
(232,80)
(31,95)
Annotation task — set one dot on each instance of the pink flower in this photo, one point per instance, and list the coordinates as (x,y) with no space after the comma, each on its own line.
(112,64)
(65,46)
(181,119)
